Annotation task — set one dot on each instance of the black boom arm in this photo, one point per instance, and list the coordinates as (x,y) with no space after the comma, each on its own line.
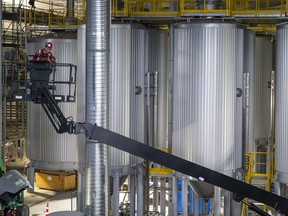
(240,189)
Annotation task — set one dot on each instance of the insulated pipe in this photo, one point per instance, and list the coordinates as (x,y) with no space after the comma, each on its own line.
(97,92)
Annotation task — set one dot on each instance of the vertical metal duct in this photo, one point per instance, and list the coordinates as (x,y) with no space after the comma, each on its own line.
(97,80)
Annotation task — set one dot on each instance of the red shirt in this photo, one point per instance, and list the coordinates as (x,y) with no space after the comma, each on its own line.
(42,56)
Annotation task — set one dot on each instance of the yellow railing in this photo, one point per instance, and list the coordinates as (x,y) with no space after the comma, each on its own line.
(244,10)
(152,8)
(54,17)
(168,8)
(259,171)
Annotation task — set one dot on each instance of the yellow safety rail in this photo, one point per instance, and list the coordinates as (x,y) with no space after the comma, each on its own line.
(153,8)
(245,10)
(259,8)
(161,170)
(56,17)
(239,8)
(252,174)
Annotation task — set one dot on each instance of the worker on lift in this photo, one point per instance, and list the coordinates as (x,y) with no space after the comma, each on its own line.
(45,54)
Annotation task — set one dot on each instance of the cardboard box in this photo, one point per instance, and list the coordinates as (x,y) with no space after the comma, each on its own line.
(53,180)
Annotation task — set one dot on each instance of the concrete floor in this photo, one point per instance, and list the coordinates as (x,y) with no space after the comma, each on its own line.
(57,201)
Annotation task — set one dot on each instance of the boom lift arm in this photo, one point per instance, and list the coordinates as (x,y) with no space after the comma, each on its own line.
(240,189)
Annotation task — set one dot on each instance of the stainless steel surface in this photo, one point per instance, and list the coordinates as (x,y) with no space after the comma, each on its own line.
(138,74)
(238,148)
(157,46)
(281,111)
(81,103)
(124,38)
(262,103)
(249,71)
(204,94)
(97,105)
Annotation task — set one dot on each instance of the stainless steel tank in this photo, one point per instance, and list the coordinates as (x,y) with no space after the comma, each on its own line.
(204,94)
(47,149)
(126,105)
(281,103)
(262,105)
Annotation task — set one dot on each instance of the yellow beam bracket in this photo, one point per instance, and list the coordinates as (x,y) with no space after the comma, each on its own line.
(162,170)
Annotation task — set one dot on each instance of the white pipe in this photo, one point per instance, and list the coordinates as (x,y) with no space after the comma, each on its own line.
(184,196)
(174,196)
(140,191)
(195,204)
(217,201)
(115,203)
(163,196)
(132,194)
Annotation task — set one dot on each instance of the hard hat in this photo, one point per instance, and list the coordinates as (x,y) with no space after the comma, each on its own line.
(49,45)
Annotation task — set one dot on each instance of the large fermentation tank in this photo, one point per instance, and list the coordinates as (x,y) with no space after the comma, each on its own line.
(262,106)
(47,149)
(204,94)
(127,73)
(281,104)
